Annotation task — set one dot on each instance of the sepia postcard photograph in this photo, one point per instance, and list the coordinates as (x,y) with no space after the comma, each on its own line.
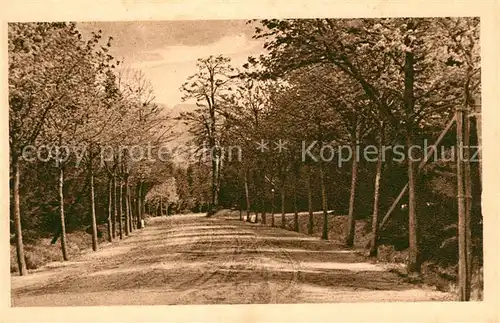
(293,157)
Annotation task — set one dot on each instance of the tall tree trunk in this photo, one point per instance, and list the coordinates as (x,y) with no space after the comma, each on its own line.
(130,209)
(127,209)
(115,206)
(295,209)
(258,196)
(219,167)
(247,196)
(324,202)
(351,222)
(263,209)
(21,262)
(240,205)
(272,207)
(215,179)
(161,206)
(110,209)
(282,192)
(310,226)
(133,209)
(61,213)
(120,208)
(92,204)
(139,206)
(126,174)
(143,203)
(376,195)
(414,252)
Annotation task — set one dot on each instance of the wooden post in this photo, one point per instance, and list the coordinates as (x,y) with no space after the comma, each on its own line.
(463,273)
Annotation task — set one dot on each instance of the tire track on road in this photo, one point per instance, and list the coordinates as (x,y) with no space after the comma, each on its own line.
(216,265)
(288,259)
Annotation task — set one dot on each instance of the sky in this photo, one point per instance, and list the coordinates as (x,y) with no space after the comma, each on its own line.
(166,51)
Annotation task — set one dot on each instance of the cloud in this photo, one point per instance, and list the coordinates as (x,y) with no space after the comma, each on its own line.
(150,35)
(148,56)
(173,64)
(231,46)
(167,51)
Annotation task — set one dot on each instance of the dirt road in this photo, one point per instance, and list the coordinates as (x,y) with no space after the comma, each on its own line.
(191,259)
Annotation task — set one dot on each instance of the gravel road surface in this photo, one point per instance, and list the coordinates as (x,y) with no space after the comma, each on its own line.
(191,259)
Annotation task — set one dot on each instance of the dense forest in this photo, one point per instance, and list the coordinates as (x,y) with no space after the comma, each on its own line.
(358,119)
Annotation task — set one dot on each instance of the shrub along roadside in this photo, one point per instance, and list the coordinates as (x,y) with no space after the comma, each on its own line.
(40,251)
